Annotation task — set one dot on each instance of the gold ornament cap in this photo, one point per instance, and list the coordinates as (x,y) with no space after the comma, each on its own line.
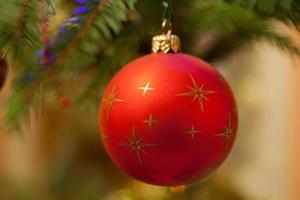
(166,42)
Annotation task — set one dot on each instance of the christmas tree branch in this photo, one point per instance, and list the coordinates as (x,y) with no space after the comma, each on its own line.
(31,86)
(91,42)
(287,10)
(105,20)
(126,45)
(19,43)
(20,33)
(80,35)
(237,23)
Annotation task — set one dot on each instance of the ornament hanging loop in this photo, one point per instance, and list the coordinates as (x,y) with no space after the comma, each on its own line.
(167,15)
(167,26)
(166,42)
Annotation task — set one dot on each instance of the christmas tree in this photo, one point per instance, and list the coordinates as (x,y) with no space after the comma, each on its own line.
(65,52)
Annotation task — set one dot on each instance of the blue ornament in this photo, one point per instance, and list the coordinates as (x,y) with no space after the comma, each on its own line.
(80,10)
(81,1)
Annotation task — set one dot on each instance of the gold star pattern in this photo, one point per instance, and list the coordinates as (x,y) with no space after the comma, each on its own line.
(110,99)
(198,93)
(146,88)
(192,132)
(228,132)
(150,121)
(136,145)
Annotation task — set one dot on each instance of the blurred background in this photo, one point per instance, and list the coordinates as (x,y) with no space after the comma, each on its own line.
(57,153)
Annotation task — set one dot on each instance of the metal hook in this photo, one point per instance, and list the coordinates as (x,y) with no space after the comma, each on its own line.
(167,26)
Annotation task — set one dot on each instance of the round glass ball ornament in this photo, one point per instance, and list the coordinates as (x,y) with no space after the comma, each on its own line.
(168,118)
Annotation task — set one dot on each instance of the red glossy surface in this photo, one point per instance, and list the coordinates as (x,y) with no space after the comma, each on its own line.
(3,72)
(168,119)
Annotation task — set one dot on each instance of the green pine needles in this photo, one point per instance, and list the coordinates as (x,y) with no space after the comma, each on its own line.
(99,38)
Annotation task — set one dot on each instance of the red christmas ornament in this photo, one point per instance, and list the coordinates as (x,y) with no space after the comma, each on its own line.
(3,72)
(168,119)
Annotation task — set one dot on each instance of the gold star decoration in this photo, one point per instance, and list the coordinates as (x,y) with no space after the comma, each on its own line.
(146,88)
(136,145)
(192,132)
(110,99)
(198,93)
(150,121)
(228,133)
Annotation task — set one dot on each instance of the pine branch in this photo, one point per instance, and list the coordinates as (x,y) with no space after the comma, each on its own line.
(282,42)
(26,93)
(104,21)
(20,33)
(51,5)
(236,22)
(283,10)
(126,45)
(93,41)
(14,108)
(19,43)
(80,35)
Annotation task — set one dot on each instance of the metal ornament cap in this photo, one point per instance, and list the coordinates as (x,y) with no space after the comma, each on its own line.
(166,43)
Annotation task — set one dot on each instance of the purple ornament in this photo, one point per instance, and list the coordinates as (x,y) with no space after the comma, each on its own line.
(81,1)
(80,10)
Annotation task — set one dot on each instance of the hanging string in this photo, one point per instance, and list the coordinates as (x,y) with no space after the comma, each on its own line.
(167,15)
